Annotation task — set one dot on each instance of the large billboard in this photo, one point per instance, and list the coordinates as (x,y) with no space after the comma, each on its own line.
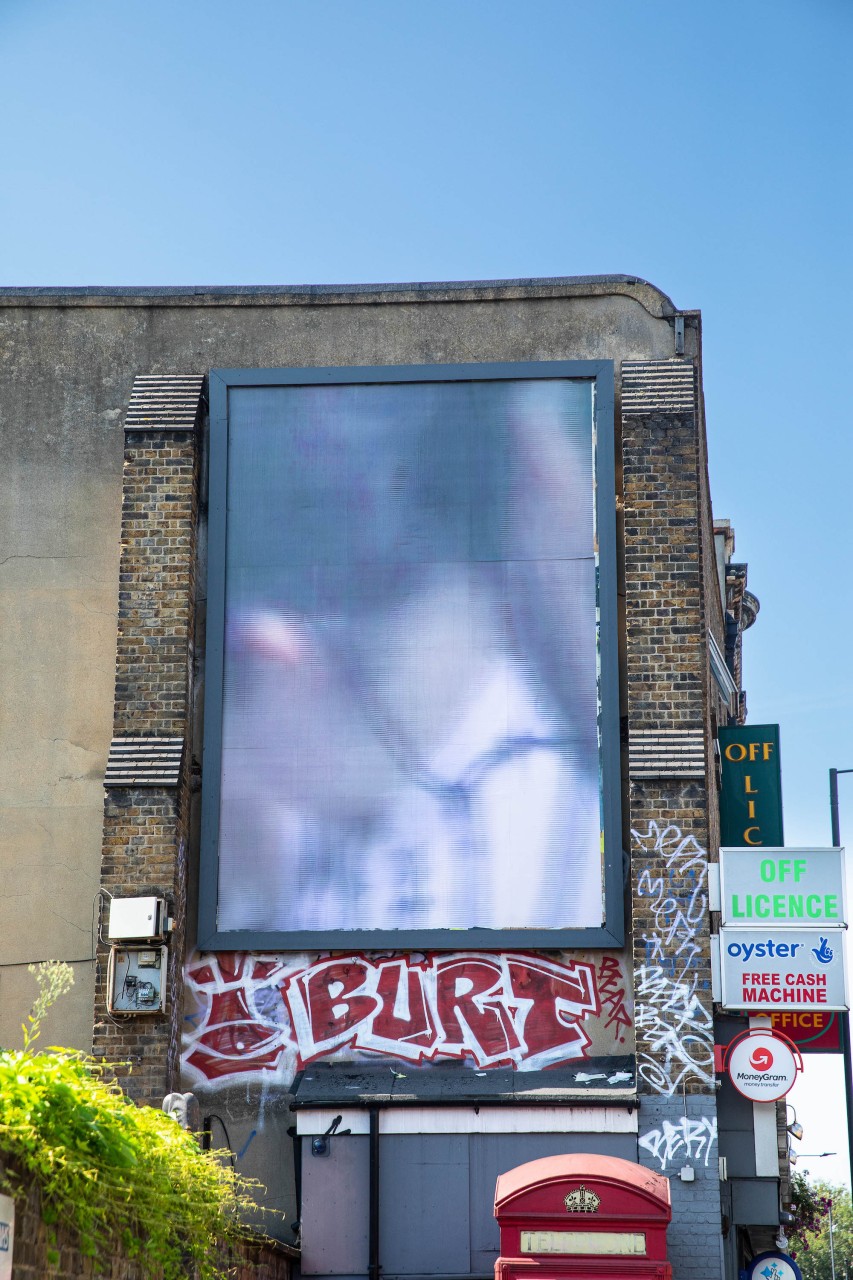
(411,701)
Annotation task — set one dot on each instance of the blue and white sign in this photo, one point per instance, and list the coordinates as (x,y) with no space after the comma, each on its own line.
(767,970)
(774,1266)
(7,1236)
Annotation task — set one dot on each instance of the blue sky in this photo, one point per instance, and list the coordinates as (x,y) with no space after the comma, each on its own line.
(703,146)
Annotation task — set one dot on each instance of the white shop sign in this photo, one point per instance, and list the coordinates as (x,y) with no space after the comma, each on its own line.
(798,887)
(7,1236)
(767,970)
(763,1066)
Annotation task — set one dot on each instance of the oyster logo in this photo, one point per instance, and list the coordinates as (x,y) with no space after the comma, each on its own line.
(5,1236)
(582,1201)
(761,1060)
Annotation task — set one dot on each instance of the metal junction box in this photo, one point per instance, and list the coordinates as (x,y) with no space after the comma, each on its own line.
(133,919)
(136,980)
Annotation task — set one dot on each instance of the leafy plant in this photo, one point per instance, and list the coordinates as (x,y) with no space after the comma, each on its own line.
(127,1178)
(809,1205)
(818,1207)
(54,978)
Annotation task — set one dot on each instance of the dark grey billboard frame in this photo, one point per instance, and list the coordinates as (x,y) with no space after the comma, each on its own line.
(612,932)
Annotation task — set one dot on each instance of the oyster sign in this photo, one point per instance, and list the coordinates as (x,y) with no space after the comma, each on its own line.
(766,970)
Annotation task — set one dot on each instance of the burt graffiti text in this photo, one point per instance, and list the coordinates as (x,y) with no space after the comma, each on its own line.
(272,1014)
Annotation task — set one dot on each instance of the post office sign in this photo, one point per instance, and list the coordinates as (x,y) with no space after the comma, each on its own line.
(791,887)
(811,1030)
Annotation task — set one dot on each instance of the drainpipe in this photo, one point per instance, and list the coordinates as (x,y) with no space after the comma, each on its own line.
(373,1226)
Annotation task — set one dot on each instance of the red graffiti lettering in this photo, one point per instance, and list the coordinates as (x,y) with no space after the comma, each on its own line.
(554,997)
(232,1041)
(611,990)
(263,1014)
(327,1003)
(402,1026)
(474,1009)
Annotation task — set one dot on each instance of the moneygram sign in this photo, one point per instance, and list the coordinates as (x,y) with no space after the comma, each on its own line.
(763,1066)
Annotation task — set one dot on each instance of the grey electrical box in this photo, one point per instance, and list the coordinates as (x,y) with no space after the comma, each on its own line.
(133,919)
(136,980)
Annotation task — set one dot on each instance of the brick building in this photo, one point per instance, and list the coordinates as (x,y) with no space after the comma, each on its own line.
(436,1062)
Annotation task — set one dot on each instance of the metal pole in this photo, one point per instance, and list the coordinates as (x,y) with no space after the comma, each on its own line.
(843,1018)
(373,1267)
(833,808)
(831,1243)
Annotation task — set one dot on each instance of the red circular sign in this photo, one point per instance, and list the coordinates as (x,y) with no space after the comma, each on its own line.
(763,1065)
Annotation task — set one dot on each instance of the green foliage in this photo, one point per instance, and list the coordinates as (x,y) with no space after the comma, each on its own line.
(809,1205)
(810,1235)
(53,978)
(127,1178)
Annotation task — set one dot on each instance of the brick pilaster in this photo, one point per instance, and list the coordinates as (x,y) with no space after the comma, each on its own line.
(667,577)
(667,670)
(146,827)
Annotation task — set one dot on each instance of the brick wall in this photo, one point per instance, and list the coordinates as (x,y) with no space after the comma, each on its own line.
(668,571)
(684,1132)
(34,1242)
(668,579)
(667,669)
(146,828)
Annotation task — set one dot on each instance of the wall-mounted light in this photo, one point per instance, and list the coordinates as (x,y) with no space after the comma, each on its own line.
(322,1144)
(795,1128)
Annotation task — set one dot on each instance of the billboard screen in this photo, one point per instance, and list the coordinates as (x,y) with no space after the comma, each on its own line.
(408,698)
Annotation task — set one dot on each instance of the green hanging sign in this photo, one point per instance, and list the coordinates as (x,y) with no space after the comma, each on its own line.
(751,793)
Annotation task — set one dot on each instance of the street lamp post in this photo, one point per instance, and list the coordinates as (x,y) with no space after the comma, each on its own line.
(833,805)
(844,1020)
(831,1242)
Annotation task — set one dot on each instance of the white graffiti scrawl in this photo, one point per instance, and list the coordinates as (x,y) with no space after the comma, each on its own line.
(688,1139)
(674,1026)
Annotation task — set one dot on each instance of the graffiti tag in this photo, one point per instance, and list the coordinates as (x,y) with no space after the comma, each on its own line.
(611,991)
(261,1013)
(674,1024)
(689,1139)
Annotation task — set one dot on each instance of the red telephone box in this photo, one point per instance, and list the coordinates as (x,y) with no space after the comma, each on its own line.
(582,1217)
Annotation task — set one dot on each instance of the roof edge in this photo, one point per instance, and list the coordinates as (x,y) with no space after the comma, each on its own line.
(654,300)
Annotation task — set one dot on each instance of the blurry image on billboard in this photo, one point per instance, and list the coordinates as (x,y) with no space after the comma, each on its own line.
(410,691)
